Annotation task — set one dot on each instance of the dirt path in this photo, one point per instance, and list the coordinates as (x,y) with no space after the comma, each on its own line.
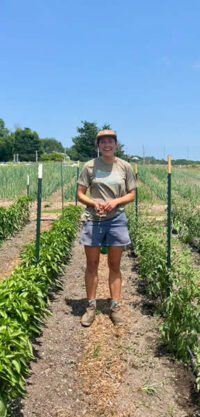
(103,371)
(11,247)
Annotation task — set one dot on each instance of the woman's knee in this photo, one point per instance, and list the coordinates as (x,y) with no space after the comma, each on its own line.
(92,265)
(114,265)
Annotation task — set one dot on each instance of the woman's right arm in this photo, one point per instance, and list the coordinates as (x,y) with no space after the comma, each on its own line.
(81,191)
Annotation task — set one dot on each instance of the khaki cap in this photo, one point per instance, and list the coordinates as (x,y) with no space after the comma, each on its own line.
(106,132)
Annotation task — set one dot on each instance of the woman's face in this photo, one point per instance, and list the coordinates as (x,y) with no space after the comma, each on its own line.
(107,146)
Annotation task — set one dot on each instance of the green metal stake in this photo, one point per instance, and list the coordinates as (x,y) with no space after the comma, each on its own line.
(39,199)
(169,221)
(77,176)
(62,192)
(28,185)
(136,193)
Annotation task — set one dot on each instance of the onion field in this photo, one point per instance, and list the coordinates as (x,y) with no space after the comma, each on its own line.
(13,179)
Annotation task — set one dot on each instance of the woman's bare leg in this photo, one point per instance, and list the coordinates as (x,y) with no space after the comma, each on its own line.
(91,273)
(114,258)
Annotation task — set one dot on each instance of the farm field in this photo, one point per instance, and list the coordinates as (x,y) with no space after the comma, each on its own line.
(13,179)
(131,371)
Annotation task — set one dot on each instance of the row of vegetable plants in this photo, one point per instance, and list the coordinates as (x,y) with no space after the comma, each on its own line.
(24,301)
(186,223)
(176,291)
(185,212)
(13,178)
(14,217)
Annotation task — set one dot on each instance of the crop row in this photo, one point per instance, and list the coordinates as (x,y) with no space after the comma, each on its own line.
(183,185)
(186,223)
(176,291)
(24,300)
(13,218)
(13,179)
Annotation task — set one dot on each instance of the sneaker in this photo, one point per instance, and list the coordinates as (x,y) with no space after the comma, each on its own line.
(89,316)
(116,315)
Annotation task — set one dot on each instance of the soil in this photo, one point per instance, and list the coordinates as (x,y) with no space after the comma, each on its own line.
(105,370)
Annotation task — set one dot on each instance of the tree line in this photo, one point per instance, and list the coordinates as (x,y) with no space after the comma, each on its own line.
(26,145)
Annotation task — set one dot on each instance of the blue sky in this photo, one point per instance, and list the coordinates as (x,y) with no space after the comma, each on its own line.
(135,65)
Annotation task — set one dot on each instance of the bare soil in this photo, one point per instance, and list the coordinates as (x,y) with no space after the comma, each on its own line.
(104,370)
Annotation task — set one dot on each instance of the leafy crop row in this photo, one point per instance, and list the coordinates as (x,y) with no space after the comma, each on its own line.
(24,300)
(181,308)
(186,222)
(14,217)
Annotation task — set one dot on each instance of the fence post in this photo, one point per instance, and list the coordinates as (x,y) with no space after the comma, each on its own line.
(169,219)
(62,192)
(39,199)
(28,185)
(77,176)
(136,191)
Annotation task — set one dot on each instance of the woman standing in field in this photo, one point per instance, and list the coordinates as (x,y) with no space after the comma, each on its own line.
(111,183)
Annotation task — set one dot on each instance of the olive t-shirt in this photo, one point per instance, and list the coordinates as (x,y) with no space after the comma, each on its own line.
(105,182)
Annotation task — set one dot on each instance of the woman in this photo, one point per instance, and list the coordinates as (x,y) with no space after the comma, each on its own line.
(111,183)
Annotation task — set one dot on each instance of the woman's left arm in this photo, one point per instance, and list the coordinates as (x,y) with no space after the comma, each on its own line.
(125,199)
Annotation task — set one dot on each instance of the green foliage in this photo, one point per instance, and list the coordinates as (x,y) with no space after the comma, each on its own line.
(13,178)
(84,143)
(26,143)
(181,308)
(24,300)
(186,222)
(49,145)
(6,148)
(14,217)
(3,130)
(53,156)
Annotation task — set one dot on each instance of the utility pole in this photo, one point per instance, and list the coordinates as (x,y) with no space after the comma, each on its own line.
(164,152)
(143,154)
(36,156)
(188,152)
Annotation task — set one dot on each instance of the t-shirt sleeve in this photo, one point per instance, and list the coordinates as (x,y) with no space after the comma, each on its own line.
(84,177)
(131,181)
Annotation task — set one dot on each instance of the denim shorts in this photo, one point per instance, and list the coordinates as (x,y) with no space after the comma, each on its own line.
(110,232)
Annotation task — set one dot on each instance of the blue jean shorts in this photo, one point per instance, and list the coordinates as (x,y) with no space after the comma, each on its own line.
(110,232)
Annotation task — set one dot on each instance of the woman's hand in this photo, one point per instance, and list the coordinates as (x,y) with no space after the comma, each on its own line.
(99,207)
(110,204)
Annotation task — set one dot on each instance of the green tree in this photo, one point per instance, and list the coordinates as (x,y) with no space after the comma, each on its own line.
(84,143)
(3,130)
(6,143)
(6,148)
(53,156)
(49,145)
(26,143)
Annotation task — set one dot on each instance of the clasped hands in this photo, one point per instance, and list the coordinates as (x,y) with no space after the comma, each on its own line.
(107,206)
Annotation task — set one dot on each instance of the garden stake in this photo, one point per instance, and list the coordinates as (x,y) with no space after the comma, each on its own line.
(169,221)
(136,191)
(77,175)
(39,198)
(62,192)
(27,185)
